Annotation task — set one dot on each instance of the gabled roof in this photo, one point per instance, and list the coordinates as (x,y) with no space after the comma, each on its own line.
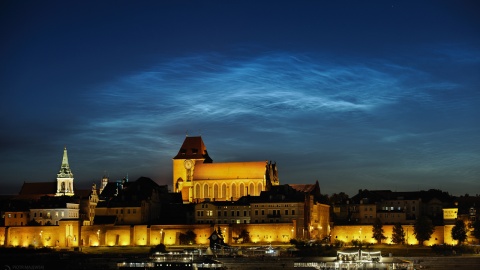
(39,188)
(280,193)
(312,189)
(230,170)
(132,193)
(51,202)
(193,148)
(83,193)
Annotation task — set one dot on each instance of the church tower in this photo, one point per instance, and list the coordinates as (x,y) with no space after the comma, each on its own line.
(65,177)
(192,151)
(104,183)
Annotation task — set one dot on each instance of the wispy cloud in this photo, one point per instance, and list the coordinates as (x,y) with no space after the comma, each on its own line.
(263,87)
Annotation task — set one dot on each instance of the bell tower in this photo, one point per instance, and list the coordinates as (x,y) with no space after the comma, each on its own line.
(193,150)
(65,177)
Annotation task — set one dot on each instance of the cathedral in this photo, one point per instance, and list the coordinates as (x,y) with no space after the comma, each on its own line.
(199,179)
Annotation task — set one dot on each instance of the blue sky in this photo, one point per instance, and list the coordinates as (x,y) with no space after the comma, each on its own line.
(354,94)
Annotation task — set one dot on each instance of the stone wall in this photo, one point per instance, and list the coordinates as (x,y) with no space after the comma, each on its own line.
(441,235)
(71,234)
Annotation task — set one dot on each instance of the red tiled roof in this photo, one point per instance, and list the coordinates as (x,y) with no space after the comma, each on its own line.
(230,170)
(193,148)
(39,188)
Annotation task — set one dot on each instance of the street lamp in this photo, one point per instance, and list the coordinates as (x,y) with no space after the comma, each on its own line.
(360,245)
(98,237)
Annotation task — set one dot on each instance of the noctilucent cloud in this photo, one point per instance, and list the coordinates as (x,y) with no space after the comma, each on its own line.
(354,94)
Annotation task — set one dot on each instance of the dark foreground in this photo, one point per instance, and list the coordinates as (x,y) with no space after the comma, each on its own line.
(79,260)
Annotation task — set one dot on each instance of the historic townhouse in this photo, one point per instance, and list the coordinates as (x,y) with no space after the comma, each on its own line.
(222,212)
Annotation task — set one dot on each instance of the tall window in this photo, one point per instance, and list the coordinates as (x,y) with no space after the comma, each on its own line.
(215,191)
(234,191)
(205,191)
(242,190)
(224,191)
(197,191)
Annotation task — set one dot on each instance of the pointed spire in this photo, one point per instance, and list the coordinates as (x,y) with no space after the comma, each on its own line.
(65,168)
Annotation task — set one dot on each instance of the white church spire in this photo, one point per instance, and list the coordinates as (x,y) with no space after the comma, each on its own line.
(65,168)
(65,177)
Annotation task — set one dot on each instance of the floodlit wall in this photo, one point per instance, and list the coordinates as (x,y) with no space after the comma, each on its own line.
(364,233)
(65,235)
(266,232)
(70,234)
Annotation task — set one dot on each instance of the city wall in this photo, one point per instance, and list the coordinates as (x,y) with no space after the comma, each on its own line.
(71,234)
(441,235)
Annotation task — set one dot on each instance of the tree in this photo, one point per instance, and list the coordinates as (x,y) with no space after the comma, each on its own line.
(159,248)
(459,232)
(398,235)
(188,238)
(423,229)
(33,222)
(476,229)
(338,198)
(245,235)
(377,230)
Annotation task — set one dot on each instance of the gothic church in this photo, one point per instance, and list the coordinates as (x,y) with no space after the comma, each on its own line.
(199,179)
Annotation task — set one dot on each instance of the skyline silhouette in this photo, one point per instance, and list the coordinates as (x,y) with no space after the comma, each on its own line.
(377,95)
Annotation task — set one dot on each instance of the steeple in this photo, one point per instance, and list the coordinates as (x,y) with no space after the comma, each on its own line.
(65,177)
(65,171)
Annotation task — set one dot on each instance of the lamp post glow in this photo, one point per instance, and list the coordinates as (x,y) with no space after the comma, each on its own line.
(98,237)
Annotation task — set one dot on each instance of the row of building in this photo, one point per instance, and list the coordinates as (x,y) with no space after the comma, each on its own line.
(235,195)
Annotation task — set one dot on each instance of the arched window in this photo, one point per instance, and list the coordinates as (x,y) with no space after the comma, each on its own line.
(197,191)
(242,190)
(215,191)
(234,191)
(259,188)
(224,191)
(251,190)
(205,191)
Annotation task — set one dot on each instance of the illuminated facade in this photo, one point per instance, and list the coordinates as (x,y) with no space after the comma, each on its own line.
(199,179)
(222,212)
(52,211)
(391,207)
(88,203)
(17,218)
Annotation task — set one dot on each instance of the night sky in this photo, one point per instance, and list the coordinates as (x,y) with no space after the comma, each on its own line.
(354,94)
